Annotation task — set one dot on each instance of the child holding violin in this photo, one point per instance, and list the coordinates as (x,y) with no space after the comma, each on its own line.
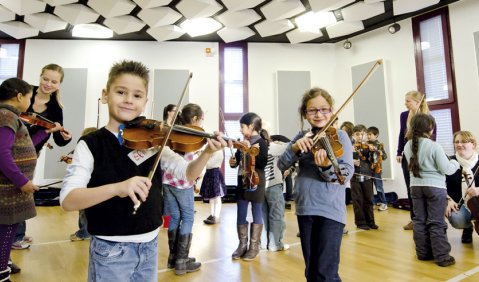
(376,158)
(428,165)
(361,183)
(179,201)
(459,189)
(17,165)
(108,180)
(320,191)
(251,170)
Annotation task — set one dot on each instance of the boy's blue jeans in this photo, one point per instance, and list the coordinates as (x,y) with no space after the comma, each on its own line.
(120,261)
(179,204)
(378,183)
(273,218)
(461,219)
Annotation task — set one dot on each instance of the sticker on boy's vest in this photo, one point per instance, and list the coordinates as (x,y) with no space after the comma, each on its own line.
(139,156)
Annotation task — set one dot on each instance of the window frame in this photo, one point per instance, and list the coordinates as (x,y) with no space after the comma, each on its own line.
(21,53)
(451,102)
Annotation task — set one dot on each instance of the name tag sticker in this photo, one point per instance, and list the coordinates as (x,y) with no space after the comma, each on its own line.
(139,156)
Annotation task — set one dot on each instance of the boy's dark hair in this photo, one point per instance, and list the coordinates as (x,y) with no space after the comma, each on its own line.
(167,109)
(128,67)
(421,126)
(12,86)
(359,128)
(374,130)
(188,112)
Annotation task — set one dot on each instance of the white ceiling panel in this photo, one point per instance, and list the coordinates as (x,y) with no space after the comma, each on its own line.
(268,28)
(18,30)
(145,4)
(164,33)
(76,14)
(236,5)
(279,10)
(344,28)
(193,9)
(233,19)
(59,2)
(45,22)
(6,14)
(159,16)
(328,5)
(360,11)
(112,8)
(407,6)
(23,7)
(124,24)
(235,34)
(295,36)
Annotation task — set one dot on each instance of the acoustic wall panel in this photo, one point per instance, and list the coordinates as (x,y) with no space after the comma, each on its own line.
(291,87)
(370,106)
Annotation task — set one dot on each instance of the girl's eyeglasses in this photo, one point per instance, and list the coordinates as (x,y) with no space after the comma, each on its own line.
(314,111)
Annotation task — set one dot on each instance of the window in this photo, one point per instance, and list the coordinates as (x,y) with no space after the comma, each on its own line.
(435,74)
(233,97)
(11,59)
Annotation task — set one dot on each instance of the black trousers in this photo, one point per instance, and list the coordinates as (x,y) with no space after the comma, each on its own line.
(407,179)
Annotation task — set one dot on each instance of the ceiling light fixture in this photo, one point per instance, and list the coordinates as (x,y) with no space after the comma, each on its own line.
(395,27)
(91,31)
(347,44)
(312,22)
(200,26)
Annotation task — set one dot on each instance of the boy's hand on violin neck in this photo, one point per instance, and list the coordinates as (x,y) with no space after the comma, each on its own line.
(137,188)
(473,191)
(29,188)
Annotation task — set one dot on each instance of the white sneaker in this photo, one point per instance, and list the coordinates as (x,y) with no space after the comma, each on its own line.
(383,207)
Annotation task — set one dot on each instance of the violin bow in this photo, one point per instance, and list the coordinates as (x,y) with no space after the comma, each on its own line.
(165,140)
(420,102)
(222,118)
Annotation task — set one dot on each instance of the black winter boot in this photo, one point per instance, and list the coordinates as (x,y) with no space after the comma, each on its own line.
(183,263)
(466,235)
(254,241)
(242,230)
(5,275)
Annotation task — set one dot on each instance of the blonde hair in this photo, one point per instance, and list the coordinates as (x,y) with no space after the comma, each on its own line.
(467,135)
(419,97)
(59,69)
(88,130)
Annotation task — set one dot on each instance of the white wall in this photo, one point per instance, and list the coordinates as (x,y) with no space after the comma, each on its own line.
(264,60)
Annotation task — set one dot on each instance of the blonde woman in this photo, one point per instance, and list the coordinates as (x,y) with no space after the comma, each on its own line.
(415,102)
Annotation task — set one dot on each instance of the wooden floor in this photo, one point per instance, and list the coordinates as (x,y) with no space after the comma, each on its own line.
(386,254)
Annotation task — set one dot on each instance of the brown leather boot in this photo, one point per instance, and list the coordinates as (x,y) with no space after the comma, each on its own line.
(255,235)
(183,263)
(242,230)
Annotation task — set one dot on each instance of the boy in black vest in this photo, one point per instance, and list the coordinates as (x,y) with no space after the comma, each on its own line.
(124,246)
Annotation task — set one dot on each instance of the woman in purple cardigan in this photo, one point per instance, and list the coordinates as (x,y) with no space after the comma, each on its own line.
(415,102)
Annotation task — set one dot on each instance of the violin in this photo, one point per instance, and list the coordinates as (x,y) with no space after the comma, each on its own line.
(377,159)
(248,161)
(142,133)
(36,119)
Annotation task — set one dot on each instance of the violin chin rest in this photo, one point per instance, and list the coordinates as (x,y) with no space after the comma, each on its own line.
(134,122)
